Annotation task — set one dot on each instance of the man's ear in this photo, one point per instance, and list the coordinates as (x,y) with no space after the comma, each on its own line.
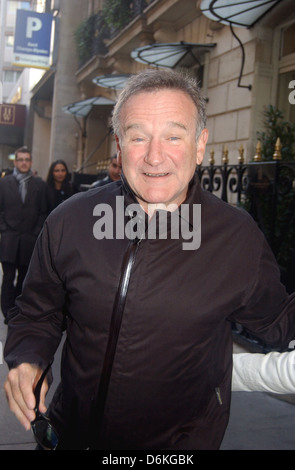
(119,152)
(201,145)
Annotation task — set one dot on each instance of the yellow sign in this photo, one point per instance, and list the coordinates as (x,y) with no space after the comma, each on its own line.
(7,114)
(17,97)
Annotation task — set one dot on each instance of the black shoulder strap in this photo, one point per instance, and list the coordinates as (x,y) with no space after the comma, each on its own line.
(96,436)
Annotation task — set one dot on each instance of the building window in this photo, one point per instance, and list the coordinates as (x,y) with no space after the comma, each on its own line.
(25,5)
(284,102)
(10,76)
(9,41)
(286,77)
(288,40)
(13,6)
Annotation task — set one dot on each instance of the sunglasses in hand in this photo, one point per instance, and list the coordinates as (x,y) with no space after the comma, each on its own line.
(44,433)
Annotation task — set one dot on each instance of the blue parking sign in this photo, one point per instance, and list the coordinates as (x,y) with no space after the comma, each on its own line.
(32,42)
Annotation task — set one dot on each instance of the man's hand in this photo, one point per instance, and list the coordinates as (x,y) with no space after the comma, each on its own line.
(19,388)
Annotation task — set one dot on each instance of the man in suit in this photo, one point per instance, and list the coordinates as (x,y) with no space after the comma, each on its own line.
(22,214)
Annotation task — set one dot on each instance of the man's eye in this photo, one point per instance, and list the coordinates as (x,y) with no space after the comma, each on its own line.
(174,138)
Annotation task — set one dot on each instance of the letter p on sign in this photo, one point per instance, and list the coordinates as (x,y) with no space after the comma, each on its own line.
(33,24)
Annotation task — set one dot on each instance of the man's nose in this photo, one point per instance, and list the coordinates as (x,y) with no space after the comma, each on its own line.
(154,155)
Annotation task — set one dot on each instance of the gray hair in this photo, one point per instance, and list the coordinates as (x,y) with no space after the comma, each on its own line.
(150,80)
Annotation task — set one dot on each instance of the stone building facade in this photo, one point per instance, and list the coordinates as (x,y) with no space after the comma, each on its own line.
(234,112)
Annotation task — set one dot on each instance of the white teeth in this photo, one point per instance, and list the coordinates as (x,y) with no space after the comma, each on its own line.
(156,175)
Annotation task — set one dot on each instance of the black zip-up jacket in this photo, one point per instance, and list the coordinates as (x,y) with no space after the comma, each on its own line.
(170,382)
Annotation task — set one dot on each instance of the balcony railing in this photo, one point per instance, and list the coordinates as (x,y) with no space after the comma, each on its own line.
(266,189)
(129,12)
(93,33)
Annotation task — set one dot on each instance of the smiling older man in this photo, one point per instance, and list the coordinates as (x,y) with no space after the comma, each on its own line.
(147,361)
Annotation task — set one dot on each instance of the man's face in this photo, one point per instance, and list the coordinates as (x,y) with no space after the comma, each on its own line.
(158,149)
(23,162)
(115,169)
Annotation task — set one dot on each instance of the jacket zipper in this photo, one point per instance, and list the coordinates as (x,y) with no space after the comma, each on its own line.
(116,320)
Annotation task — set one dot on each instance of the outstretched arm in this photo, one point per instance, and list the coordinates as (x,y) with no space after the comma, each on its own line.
(273,372)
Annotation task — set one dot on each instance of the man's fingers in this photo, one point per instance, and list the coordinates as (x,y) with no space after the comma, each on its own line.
(19,391)
(44,390)
(16,407)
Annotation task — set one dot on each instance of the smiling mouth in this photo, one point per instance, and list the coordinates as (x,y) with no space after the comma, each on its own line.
(156,175)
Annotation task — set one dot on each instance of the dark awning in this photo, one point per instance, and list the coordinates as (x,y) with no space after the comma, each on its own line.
(84,107)
(113,81)
(239,13)
(171,54)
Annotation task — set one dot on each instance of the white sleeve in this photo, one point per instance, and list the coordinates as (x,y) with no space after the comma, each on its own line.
(273,372)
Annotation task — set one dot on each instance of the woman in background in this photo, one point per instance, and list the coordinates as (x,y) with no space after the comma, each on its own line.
(59,186)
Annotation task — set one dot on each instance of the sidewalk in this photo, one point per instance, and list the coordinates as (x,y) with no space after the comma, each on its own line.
(259,421)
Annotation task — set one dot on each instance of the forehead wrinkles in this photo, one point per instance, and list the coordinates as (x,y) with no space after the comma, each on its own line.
(169,106)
